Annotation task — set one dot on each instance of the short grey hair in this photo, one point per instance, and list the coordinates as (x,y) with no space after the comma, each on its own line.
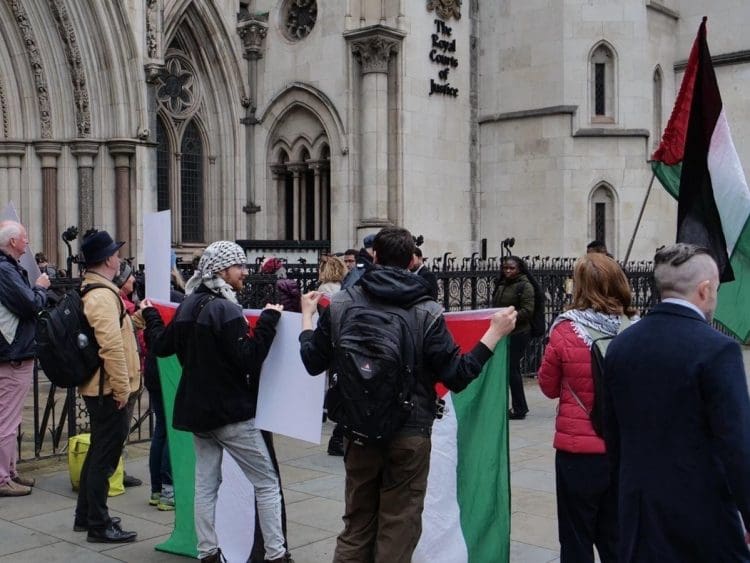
(9,230)
(680,267)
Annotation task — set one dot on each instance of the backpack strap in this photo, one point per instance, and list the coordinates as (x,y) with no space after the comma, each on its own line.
(89,286)
(84,290)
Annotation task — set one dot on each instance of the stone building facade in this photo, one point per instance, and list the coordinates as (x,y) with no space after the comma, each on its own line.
(312,120)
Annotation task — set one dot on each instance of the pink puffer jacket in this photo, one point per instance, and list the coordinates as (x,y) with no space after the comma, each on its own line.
(567,362)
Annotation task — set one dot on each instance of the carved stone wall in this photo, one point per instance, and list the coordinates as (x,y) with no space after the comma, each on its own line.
(37,68)
(77,75)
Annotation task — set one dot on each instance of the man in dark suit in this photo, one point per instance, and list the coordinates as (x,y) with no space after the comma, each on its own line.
(678,423)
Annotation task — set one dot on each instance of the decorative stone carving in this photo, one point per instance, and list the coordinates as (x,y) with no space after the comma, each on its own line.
(37,68)
(153,29)
(77,75)
(299,17)
(252,31)
(445,9)
(4,109)
(178,90)
(374,52)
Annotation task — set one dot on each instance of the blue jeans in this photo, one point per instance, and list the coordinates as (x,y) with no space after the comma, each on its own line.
(158,457)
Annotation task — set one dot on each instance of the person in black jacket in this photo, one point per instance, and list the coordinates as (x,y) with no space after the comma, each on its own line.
(386,484)
(217,394)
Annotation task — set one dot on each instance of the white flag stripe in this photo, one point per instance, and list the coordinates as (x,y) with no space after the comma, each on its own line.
(730,189)
(441,538)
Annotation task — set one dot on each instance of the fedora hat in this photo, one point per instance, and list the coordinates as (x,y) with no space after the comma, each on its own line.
(98,246)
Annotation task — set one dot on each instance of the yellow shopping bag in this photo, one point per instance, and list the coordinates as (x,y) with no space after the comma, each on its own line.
(78,448)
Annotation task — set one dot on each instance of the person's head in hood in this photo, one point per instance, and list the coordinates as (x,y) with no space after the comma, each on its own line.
(222,268)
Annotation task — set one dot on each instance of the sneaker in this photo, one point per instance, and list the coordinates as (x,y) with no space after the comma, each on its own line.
(154,498)
(166,498)
(25,481)
(12,489)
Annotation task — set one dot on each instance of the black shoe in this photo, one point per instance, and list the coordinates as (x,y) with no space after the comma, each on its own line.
(84,526)
(130,481)
(111,534)
(512,415)
(217,557)
(335,447)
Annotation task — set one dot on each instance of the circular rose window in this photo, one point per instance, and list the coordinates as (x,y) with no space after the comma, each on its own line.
(298,18)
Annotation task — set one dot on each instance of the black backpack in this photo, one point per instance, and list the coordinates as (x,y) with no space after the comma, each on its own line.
(599,345)
(377,350)
(65,342)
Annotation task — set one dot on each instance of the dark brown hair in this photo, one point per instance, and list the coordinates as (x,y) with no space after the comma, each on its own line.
(600,284)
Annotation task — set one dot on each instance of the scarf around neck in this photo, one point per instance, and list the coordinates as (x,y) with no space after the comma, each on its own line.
(582,319)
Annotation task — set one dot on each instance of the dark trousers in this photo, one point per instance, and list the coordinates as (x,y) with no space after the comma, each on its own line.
(586,508)
(516,348)
(159,465)
(385,489)
(109,430)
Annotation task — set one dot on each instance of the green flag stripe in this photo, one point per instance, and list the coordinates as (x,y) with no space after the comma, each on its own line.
(669,176)
(483,474)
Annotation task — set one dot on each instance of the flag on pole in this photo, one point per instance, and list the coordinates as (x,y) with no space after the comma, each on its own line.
(466,515)
(697,163)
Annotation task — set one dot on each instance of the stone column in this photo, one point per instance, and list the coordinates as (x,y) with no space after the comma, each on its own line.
(11,158)
(85,152)
(318,232)
(373,48)
(252,29)
(297,170)
(121,151)
(48,151)
(279,175)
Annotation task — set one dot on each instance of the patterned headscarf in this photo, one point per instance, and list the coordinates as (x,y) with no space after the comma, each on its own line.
(219,256)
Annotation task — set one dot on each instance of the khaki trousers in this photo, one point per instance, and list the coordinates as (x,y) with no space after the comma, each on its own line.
(385,489)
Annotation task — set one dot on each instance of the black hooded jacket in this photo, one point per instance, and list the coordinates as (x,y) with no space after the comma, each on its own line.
(442,360)
(220,361)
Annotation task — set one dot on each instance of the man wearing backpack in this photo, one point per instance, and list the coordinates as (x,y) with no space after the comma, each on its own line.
(19,304)
(106,393)
(387,460)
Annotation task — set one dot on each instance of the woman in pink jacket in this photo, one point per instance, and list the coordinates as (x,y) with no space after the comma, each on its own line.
(586,498)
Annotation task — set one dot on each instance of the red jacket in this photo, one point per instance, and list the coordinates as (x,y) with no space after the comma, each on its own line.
(567,362)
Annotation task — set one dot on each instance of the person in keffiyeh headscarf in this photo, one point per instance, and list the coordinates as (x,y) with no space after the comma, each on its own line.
(217,394)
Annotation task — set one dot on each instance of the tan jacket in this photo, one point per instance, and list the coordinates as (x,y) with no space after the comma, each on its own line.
(117,345)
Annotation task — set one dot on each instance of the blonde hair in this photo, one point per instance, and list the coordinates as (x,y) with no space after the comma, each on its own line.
(332,269)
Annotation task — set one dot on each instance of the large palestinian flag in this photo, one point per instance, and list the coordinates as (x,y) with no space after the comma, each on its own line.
(697,164)
(467,506)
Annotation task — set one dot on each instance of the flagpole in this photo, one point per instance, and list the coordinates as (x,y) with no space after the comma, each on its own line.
(640,216)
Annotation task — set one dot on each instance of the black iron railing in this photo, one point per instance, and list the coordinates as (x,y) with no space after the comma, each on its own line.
(463,284)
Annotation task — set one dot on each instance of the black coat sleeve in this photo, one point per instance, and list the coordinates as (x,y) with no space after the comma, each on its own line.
(316,346)
(159,339)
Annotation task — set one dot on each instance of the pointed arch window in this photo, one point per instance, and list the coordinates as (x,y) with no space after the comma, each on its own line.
(602,84)
(191,184)
(602,215)
(657,96)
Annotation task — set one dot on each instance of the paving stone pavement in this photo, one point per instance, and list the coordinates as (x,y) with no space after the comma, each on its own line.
(39,527)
